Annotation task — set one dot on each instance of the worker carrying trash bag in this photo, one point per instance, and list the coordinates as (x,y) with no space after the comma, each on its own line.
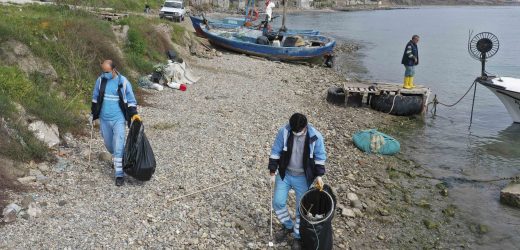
(113,102)
(297,159)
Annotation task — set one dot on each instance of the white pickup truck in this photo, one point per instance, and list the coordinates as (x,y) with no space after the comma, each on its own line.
(173,9)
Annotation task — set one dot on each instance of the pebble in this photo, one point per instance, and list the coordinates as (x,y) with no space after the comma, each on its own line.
(383,212)
(28,199)
(368,184)
(34,210)
(10,212)
(356,204)
(352,197)
(35,172)
(43,167)
(62,203)
(105,157)
(347,212)
(24,215)
(357,212)
(27,179)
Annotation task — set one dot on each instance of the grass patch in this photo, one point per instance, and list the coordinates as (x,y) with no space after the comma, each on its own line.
(146,45)
(75,43)
(132,5)
(178,34)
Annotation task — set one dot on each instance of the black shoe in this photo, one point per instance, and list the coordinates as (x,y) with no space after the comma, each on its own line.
(120,181)
(296,245)
(281,235)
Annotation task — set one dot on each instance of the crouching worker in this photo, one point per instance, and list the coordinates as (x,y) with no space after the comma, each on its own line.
(113,102)
(297,159)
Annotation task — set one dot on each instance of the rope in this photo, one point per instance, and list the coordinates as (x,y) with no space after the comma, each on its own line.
(271,214)
(436,101)
(90,141)
(460,179)
(393,103)
(196,192)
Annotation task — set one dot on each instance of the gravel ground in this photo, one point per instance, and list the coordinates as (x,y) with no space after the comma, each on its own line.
(220,129)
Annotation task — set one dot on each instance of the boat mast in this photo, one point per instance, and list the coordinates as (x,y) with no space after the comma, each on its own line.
(283,28)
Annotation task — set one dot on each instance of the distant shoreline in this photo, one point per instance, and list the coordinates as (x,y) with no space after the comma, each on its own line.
(279,10)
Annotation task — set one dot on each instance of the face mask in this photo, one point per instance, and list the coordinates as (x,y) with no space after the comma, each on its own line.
(107,75)
(299,133)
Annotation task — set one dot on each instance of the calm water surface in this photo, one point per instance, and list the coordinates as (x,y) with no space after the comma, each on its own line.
(444,144)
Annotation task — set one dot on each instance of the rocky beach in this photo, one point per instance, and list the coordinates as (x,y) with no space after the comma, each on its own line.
(220,131)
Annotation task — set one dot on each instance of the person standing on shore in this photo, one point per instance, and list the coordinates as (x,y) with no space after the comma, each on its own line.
(113,102)
(297,159)
(410,60)
(269,10)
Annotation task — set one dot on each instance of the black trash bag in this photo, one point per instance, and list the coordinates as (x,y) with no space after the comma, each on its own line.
(317,233)
(138,159)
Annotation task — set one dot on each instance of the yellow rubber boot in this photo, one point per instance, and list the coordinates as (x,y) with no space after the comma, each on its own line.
(410,82)
(405,82)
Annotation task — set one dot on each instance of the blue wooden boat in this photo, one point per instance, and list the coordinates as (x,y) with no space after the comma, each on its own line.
(243,40)
(236,22)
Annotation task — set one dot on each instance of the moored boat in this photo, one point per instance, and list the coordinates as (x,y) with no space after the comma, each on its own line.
(236,22)
(483,46)
(507,89)
(247,41)
(253,42)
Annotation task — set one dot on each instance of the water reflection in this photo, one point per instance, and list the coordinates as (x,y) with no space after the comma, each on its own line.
(503,144)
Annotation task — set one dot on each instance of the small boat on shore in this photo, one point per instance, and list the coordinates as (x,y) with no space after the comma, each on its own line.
(254,42)
(236,22)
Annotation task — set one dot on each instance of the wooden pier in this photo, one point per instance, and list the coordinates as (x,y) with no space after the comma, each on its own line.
(356,92)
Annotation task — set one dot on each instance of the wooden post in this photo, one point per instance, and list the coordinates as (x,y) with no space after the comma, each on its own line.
(283,28)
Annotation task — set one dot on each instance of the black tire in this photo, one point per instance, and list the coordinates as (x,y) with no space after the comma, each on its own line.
(405,105)
(336,95)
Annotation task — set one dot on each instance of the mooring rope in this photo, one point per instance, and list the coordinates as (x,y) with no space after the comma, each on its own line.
(409,173)
(436,101)
(393,105)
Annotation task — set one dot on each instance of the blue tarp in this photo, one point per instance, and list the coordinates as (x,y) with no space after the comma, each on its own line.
(373,141)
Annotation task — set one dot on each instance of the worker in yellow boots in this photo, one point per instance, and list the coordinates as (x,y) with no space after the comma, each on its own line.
(410,60)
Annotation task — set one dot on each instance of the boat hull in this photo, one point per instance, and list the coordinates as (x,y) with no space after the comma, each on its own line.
(510,99)
(197,22)
(272,52)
